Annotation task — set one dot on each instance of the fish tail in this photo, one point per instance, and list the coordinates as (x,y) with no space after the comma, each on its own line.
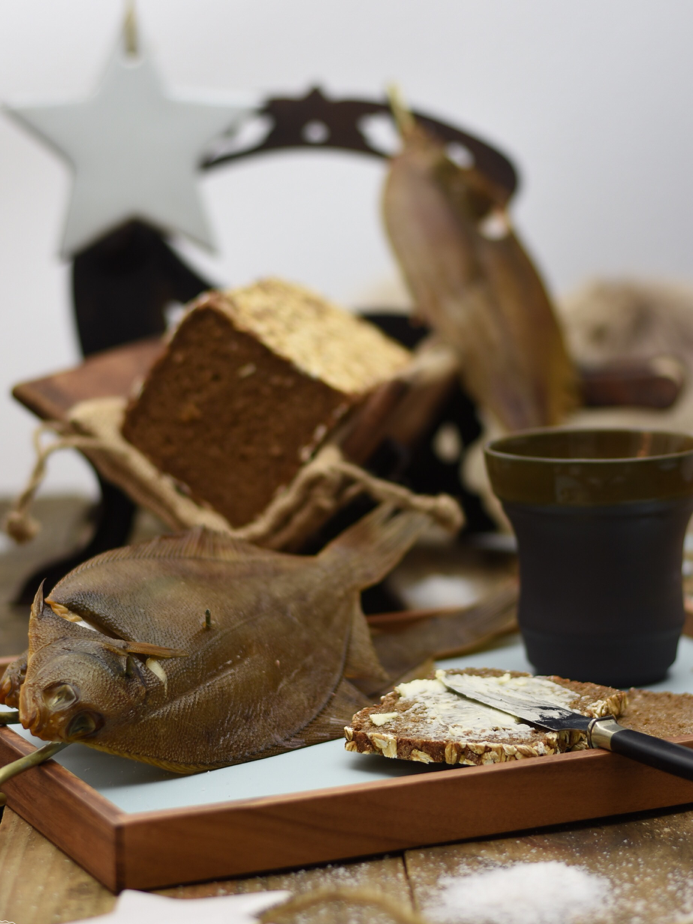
(367,551)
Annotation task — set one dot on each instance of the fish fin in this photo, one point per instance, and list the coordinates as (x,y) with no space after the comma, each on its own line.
(63,611)
(363,554)
(152,651)
(123,647)
(45,626)
(199,543)
(330,721)
(361,660)
(38,601)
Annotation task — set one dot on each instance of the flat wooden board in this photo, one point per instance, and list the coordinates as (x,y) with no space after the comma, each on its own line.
(104,375)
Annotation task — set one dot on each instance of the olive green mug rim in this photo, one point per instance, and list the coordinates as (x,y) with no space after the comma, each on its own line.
(580,481)
(494,446)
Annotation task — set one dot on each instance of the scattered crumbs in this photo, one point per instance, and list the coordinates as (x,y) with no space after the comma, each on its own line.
(380,718)
(248,369)
(350,876)
(526,893)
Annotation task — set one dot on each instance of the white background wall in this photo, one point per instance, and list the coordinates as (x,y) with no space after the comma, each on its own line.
(591,99)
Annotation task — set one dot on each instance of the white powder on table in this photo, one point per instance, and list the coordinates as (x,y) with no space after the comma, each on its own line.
(526,893)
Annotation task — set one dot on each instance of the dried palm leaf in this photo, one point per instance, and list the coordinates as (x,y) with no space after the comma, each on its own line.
(474,283)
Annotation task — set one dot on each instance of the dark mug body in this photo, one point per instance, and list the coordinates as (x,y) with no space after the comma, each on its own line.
(600,519)
(601,595)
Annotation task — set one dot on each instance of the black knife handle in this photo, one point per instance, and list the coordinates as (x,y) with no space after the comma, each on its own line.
(655,752)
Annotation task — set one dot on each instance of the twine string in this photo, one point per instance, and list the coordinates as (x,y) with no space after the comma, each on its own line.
(365,897)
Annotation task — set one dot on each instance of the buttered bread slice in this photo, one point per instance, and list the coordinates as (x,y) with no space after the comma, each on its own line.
(424,721)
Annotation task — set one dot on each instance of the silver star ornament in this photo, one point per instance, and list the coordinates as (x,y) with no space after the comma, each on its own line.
(135,151)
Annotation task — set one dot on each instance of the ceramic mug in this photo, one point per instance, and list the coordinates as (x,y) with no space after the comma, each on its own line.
(600,518)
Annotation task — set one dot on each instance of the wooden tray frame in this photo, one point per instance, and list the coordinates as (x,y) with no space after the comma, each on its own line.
(162,848)
(156,849)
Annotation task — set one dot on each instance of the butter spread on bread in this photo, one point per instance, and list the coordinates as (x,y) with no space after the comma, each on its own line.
(424,721)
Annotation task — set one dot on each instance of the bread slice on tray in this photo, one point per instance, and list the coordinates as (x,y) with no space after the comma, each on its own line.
(424,721)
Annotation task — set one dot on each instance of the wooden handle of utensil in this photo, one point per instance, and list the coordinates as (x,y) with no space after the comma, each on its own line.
(632,384)
(655,752)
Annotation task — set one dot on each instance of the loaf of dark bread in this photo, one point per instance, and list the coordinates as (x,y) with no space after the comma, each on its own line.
(252,382)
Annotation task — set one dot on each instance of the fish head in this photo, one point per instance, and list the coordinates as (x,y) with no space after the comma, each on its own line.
(79,684)
(76,691)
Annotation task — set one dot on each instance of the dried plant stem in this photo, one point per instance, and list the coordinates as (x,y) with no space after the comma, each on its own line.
(402,114)
(26,763)
(323,486)
(366,897)
(19,524)
(130,29)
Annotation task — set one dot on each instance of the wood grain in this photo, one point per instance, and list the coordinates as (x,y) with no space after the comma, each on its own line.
(40,884)
(103,375)
(348,822)
(646,863)
(385,874)
(74,816)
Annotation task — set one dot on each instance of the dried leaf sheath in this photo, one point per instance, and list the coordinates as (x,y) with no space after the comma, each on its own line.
(474,284)
(258,646)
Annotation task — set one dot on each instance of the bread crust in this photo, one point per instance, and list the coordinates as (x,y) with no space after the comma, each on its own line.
(251,384)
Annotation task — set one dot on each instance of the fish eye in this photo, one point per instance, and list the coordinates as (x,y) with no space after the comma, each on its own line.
(83,724)
(60,696)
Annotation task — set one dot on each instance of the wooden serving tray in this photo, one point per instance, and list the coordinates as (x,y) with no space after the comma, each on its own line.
(148,849)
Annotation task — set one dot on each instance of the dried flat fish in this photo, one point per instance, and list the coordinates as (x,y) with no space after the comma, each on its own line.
(473,282)
(201,651)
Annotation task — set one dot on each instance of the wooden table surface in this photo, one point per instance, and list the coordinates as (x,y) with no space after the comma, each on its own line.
(645,862)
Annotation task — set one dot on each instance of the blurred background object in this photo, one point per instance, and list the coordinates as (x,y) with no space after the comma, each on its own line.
(587,101)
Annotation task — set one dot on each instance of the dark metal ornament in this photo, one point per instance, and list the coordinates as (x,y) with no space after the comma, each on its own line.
(122,283)
(316,121)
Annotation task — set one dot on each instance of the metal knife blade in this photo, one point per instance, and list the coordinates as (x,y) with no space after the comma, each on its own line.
(525,707)
(601,733)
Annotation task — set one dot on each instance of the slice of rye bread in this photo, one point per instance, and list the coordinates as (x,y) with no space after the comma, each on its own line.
(666,715)
(422,727)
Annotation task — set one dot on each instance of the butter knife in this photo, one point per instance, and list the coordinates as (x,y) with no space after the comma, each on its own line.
(601,733)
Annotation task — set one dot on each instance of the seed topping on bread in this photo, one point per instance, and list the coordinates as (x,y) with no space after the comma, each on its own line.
(425,721)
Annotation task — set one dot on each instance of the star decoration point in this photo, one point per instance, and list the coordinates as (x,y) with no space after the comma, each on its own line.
(135,907)
(135,152)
